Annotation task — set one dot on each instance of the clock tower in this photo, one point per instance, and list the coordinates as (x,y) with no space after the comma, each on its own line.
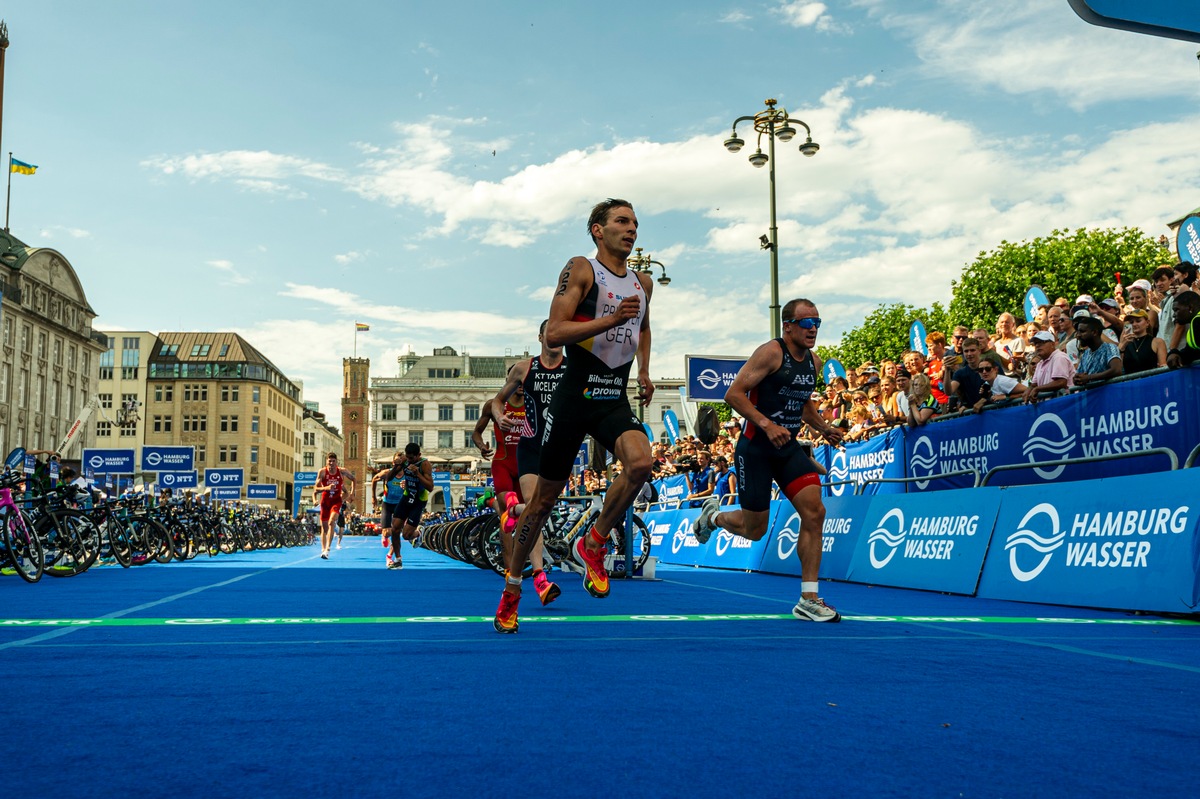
(355,415)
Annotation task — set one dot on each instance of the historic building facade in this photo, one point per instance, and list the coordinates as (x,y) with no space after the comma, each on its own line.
(356,374)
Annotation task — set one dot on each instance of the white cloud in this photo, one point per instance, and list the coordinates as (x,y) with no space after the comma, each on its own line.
(801,14)
(1022,48)
(735,17)
(54,231)
(347,258)
(232,276)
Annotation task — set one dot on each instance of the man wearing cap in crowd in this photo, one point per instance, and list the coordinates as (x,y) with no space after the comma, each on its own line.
(1054,371)
(1098,359)
(1186,309)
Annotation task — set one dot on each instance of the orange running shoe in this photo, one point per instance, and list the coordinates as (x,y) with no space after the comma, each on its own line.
(547,591)
(506,614)
(508,522)
(595,576)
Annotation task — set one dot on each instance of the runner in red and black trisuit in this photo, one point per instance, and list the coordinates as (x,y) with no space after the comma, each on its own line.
(330,483)
(773,393)
(536,379)
(600,313)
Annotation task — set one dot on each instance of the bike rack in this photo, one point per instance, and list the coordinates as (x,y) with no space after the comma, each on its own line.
(1008,467)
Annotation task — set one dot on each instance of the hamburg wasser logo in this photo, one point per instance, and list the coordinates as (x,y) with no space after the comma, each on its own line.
(839,471)
(1048,440)
(683,537)
(1041,543)
(884,540)
(924,461)
(788,537)
(708,379)
(153,459)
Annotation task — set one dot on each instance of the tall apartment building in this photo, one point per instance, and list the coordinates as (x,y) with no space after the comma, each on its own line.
(217,393)
(48,369)
(120,380)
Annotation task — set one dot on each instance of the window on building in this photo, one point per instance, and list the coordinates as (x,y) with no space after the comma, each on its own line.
(309,460)
(444,373)
(169,349)
(310,439)
(58,348)
(103,428)
(229,393)
(253,453)
(129,430)
(224,351)
(445,413)
(26,337)
(5,376)
(253,424)
(105,400)
(416,437)
(162,424)
(473,412)
(129,400)
(387,413)
(353,453)
(23,388)
(254,394)
(445,439)
(416,413)
(130,343)
(201,452)
(41,350)
(200,350)
(130,359)
(229,424)
(164,392)
(387,439)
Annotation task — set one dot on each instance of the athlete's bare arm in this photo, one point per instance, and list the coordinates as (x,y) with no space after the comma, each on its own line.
(574,282)
(353,484)
(812,416)
(425,475)
(320,486)
(516,377)
(646,386)
(765,360)
(485,418)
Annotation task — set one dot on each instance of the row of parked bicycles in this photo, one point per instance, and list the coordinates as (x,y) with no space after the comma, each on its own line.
(67,529)
(476,540)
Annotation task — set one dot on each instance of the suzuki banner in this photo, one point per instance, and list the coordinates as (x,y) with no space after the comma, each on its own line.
(935,542)
(262,491)
(1124,542)
(227,493)
(710,376)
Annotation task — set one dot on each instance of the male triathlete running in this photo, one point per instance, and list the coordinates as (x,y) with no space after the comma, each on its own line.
(600,313)
(773,393)
(331,481)
(417,474)
(393,487)
(537,380)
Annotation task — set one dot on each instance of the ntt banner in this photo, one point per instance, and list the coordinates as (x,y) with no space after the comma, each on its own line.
(860,461)
(927,541)
(710,376)
(1124,542)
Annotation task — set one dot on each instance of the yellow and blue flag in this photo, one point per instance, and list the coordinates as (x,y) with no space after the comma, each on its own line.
(21,168)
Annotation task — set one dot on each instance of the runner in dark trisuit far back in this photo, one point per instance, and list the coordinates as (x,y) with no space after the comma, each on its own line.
(773,393)
(600,313)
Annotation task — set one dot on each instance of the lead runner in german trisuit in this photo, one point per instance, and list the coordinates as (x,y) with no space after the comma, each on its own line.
(600,313)
(773,393)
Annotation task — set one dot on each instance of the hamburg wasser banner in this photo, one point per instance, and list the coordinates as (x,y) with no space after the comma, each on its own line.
(861,461)
(1126,542)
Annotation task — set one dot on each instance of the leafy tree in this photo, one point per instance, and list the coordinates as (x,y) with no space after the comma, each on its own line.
(883,335)
(1064,264)
(724,412)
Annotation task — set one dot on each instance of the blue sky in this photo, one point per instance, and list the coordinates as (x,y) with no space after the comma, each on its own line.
(286,169)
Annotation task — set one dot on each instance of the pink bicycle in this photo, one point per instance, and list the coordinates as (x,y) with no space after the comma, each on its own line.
(21,546)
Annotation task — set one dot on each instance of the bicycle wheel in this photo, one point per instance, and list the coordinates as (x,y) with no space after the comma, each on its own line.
(118,541)
(23,547)
(641,543)
(71,542)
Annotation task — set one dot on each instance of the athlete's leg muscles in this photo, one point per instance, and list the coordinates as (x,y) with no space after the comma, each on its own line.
(632,449)
(529,526)
(750,524)
(808,504)
(527,485)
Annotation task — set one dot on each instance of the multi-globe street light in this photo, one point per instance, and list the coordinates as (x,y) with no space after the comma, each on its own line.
(774,123)
(644,263)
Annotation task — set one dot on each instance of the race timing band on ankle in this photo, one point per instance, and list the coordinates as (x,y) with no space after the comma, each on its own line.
(512,579)
(808,588)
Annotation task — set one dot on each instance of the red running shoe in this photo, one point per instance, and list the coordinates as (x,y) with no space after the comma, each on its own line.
(547,591)
(595,576)
(506,614)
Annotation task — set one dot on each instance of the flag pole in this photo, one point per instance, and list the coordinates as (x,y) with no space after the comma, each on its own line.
(356,339)
(8,196)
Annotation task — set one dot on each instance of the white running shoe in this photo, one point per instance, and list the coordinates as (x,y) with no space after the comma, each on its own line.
(815,610)
(703,527)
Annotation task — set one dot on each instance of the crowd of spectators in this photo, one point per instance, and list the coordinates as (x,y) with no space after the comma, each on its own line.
(1151,324)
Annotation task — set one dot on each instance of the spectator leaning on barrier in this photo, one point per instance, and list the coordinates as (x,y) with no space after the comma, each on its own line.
(1141,351)
(1184,277)
(1187,324)
(967,384)
(1002,386)
(903,388)
(1099,359)
(1054,371)
(921,404)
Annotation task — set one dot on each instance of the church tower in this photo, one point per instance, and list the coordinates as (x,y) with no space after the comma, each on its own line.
(355,415)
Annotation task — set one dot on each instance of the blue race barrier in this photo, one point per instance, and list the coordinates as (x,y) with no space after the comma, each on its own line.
(935,542)
(881,456)
(843,525)
(1124,542)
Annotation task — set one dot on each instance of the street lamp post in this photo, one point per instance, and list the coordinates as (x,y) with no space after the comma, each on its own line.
(773,123)
(644,263)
